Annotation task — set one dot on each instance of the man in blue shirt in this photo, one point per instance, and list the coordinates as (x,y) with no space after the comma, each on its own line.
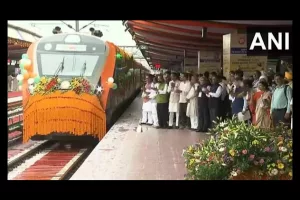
(280,105)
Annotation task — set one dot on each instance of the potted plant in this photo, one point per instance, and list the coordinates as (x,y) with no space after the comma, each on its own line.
(238,151)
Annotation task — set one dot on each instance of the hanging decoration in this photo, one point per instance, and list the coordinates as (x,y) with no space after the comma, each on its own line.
(27,73)
(110,85)
(114,86)
(119,56)
(20,77)
(37,79)
(110,80)
(24,56)
(30,81)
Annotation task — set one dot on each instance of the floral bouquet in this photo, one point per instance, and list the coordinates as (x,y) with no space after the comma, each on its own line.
(240,151)
(50,85)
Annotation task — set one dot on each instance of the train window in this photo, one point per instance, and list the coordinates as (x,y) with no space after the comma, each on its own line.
(73,64)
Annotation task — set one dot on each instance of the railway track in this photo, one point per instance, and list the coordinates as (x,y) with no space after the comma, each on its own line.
(38,160)
(14,120)
(45,160)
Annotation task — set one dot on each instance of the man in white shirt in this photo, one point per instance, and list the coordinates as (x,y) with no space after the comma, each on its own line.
(147,106)
(152,96)
(174,100)
(184,88)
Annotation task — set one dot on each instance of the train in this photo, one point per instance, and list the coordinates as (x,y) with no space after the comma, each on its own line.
(75,85)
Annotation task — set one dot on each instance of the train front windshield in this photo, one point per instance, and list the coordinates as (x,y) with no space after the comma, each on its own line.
(84,57)
(74,65)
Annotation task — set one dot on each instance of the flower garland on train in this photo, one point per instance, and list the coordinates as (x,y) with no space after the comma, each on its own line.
(50,85)
(47,85)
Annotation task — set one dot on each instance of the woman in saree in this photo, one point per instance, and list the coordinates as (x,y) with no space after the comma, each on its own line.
(262,109)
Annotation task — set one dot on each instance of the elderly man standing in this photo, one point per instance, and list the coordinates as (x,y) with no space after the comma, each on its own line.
(280,105)
(147,105)
(184,88)
(174,100)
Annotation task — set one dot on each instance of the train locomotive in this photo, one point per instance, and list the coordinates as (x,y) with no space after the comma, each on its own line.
(74,85)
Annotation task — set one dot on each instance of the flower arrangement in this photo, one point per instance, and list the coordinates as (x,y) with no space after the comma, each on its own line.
(50,85)
(237,149)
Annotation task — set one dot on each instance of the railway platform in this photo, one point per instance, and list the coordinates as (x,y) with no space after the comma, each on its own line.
(128,153)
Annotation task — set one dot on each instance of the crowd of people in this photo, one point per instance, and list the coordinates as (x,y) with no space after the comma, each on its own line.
(173,100)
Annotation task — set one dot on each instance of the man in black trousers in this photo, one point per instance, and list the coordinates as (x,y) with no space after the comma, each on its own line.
(203,112)
(214,99)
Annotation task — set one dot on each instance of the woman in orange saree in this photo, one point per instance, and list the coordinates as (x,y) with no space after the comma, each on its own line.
(262,110)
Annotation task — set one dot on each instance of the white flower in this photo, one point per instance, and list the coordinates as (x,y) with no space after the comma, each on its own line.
(274,172)
(223,124)
(233,173)
(221,149)
(226,128)
(196,154)
(65,85)
(283,149)
(224,164)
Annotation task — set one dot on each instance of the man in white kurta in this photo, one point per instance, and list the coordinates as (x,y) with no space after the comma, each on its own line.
(184,88)
(147,106)
(192,107)
(152,96)
(174,100)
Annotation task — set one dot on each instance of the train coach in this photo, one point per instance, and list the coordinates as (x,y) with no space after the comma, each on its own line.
(74,85)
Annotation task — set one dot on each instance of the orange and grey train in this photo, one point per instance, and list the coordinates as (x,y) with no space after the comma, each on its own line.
(62,112)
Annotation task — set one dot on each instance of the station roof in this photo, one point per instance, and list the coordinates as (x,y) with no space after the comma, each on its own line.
(19,39)
(164,41)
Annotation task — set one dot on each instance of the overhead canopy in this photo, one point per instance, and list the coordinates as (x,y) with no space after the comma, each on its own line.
(164,41)
(19,39)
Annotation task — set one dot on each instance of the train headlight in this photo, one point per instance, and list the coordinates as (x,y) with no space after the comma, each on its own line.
(48,47)
(65,85)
